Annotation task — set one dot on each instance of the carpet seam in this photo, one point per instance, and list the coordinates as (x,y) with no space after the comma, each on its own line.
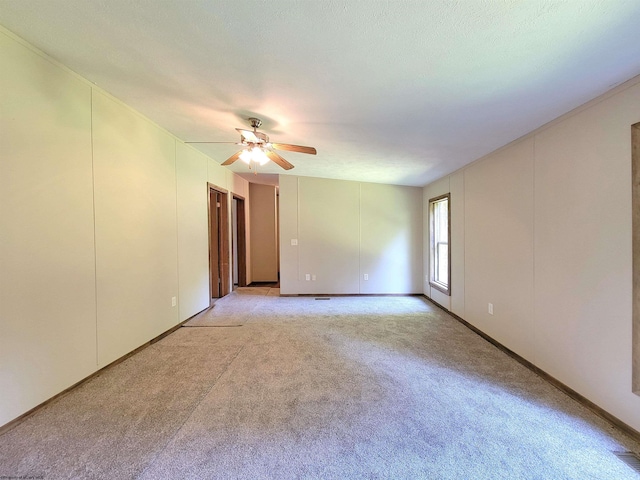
(188,417)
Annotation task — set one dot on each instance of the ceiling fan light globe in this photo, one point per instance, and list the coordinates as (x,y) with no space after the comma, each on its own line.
(246,156)
(258,156)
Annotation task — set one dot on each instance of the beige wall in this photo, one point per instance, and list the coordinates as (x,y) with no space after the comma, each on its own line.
(264,233)
(390,238)
(346,230)
(583,271)
(288,215)
(136,232)
(193,235)
(328,235)
(47,262)
(104,221)
(498,252)
(546,228)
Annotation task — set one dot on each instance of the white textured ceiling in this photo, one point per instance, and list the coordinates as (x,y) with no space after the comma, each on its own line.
(399,92)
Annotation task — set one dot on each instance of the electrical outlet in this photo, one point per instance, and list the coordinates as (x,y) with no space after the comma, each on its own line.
(294,242)
(313,278)
(307,277)
(490,309)
(366,276)
(173,301)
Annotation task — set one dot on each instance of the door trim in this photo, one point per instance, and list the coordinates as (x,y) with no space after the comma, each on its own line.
(242,240)
(223,247)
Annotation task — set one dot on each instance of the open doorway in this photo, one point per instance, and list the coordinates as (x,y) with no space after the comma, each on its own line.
(238,242)
(264,234)
(219,271)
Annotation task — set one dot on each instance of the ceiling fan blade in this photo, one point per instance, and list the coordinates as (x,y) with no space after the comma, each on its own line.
(232,158)
(294,148)
(248,135)
(278,160)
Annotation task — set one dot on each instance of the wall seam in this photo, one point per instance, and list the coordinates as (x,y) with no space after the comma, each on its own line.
(175,168)
(359,237)
(95,245)
(464,247)
(464,227)
(533,252)
(298,234)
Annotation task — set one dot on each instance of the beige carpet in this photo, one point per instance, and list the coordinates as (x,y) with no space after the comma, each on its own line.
(353,387)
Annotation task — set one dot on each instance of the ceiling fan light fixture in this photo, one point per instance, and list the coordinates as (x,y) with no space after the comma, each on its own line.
(258,156)
(258,150)
(246,156)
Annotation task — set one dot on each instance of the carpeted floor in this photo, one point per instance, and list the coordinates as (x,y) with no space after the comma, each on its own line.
(261,386)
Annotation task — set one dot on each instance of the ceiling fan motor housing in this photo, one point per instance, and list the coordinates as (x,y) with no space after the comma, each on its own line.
(255,122)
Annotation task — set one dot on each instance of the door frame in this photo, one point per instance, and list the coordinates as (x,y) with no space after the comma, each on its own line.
(223,243)
(241,236)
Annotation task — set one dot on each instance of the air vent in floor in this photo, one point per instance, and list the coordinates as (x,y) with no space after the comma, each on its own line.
(630,459)
(323,298)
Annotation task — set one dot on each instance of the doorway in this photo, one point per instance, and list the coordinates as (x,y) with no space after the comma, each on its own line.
(218,243)
(238,242)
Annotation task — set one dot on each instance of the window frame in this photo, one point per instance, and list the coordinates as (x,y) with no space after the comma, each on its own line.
(439,286)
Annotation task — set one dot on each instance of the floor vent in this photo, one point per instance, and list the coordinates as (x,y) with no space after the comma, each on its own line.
(323,298)
(630,459)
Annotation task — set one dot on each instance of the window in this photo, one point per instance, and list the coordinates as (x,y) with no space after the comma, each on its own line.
(440,255)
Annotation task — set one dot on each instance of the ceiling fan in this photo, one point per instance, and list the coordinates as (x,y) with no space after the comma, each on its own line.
(258,150)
